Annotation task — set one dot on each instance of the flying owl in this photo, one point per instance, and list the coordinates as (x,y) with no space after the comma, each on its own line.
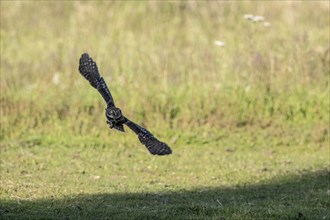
(115,118)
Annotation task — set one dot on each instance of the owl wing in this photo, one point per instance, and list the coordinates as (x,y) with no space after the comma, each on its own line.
(154,146)
(89,70)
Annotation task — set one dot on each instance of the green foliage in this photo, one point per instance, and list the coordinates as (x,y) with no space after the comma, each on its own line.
(248,121)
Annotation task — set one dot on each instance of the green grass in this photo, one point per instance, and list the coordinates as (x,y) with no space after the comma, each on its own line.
(237,176)
(248,122)
(282,199)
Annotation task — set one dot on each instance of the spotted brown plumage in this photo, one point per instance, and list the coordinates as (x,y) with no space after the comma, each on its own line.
(115,118)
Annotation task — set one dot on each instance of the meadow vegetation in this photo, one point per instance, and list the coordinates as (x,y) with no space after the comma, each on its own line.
(248,121)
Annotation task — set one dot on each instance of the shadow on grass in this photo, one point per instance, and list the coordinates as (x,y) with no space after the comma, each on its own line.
(295,197)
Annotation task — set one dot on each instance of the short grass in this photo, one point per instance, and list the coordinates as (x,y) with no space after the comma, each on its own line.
(239,175)
(248,121)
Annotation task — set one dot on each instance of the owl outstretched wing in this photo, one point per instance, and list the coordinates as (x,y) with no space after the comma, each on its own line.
(89,70)
(154,146)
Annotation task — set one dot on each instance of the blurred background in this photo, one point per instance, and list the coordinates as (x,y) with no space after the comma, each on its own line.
(230,86)
(174,66)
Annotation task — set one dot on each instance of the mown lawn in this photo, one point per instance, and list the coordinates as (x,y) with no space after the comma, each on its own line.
(247,119)
(237,175)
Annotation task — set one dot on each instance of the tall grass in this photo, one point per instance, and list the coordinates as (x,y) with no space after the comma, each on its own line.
(162,65)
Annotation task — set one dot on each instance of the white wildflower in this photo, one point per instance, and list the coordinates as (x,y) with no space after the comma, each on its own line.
(266,24)
(248,17)
(56,79)
(258,18)
(219,43)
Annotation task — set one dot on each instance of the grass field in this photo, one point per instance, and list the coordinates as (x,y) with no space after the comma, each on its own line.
(247,119)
